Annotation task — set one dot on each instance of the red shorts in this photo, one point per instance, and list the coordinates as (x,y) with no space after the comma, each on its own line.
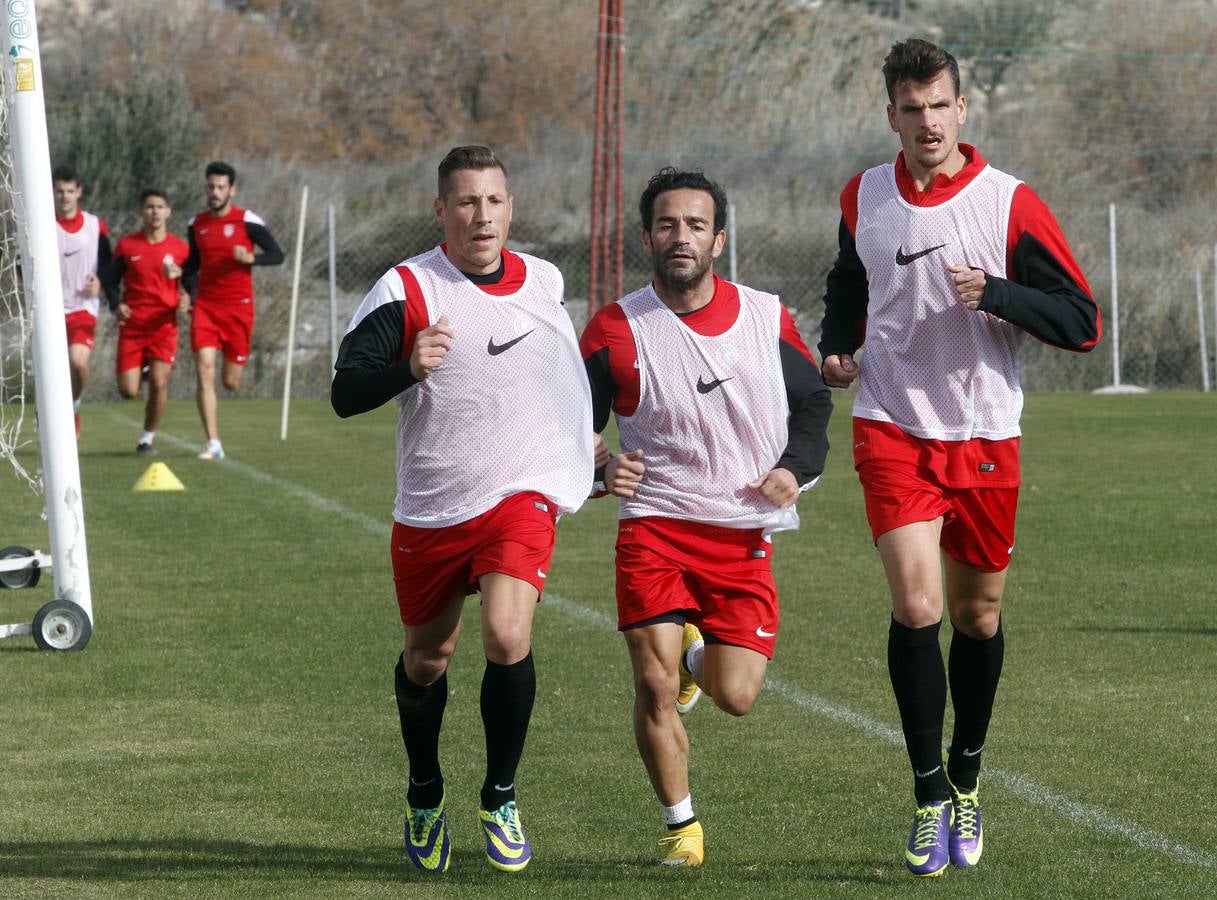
(228,326)
(972,484)
(82,327)
(720,577)
(141,342)
(515,538)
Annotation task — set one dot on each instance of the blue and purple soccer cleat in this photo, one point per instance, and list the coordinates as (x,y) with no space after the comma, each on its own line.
(927,852)
(967,840)
(507,847)
(427,841)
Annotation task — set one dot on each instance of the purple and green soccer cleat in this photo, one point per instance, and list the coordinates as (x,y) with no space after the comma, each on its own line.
(927,853)
(967,839)
(427,841)
(507,847)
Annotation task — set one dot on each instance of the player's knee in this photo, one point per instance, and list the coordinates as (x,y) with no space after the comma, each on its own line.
(916,609)
(232,381)
(507,642)
(425,666)
(655,686)
(734,699)
(978,621)
(126,391)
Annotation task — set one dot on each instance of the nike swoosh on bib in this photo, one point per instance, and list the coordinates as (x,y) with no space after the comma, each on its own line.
(705,387)
(902,260)
(495,349)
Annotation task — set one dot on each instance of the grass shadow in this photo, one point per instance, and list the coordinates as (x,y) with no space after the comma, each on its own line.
(185,859)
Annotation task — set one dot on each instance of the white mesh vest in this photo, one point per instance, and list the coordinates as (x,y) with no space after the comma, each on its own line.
(509,410)
(930,365)
(711,414)
(78,260)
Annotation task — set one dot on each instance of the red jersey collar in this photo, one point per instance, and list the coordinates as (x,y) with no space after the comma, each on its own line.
(943,187)
(716,316)
(74,224)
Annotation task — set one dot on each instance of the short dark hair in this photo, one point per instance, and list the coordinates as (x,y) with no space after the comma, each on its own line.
(221,168)
(669,178)
(64,173)
(919,61)
(153,192)
(473,156)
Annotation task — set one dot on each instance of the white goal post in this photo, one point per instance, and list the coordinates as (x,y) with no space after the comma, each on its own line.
(35,215)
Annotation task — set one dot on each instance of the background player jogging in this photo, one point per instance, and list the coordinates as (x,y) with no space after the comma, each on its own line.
(222,240)
(143,280)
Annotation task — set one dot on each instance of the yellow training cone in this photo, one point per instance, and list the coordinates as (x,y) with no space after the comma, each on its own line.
(158,478)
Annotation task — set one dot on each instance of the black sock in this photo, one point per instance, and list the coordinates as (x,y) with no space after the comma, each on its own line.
(421,711)
(507,697)
(914,662)
(974,667)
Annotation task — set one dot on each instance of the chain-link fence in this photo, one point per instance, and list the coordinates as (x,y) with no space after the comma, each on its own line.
(1159,342)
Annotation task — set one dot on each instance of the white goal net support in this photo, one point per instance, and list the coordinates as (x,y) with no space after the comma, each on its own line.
(33,349)
(16,359)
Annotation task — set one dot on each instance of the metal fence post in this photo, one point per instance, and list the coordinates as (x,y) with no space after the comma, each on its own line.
(732,259)
(329,224)
(1204,344)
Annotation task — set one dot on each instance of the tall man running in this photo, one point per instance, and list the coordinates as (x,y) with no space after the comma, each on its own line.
(703,376)
(222,241)
(494,443)
(84,253)
(947,264)
(146,266)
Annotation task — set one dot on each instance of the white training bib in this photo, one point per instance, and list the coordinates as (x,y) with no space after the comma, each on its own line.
(77,261)
(930,365)
(509,410)
(711,414)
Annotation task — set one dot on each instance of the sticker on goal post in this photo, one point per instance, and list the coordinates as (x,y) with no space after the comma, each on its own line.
(24,71)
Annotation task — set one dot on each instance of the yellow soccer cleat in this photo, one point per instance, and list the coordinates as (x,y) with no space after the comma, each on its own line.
(690,693)
(684,846)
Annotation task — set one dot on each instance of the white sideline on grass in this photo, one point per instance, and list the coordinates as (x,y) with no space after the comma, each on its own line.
(1016,784)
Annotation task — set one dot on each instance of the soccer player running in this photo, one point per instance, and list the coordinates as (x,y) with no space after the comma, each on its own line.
(946,264)
(722,416)
(494,443)
(222,241)
(142,280)
(84,253)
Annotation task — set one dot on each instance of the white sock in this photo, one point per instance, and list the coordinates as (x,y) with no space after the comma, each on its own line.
(214,444)
(75,406)
(695,658)
(681,812)
(147,437)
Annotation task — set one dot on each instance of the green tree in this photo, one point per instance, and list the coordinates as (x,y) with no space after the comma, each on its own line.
(142,132)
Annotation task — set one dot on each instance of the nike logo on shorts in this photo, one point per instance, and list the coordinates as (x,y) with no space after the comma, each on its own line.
(762,633)
(540,574)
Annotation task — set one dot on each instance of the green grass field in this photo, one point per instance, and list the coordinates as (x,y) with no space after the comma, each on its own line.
(231,729)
